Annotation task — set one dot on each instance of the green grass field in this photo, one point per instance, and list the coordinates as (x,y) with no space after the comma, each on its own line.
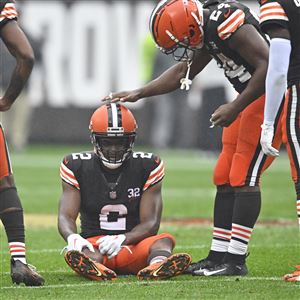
(188,194)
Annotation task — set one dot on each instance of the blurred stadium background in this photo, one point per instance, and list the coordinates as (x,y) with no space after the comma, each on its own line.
(84,50)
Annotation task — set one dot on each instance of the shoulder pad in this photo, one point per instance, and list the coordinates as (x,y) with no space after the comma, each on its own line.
(67,171)
(157,172)
(232,19)
(271,10)
(8,10)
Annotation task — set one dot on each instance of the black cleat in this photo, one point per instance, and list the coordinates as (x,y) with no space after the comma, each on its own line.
(227,269)
(198,268)
(24,273)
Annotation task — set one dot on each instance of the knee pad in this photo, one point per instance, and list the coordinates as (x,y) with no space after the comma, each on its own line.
(222,169)
(9,199)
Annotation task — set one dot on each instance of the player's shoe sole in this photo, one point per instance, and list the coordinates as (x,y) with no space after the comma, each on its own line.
(87,268)
(172,266)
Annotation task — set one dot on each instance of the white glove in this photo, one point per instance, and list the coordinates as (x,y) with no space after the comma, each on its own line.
(77,242)
(111,245)
(266,138)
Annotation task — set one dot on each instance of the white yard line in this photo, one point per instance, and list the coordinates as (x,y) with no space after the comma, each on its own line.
(137,283)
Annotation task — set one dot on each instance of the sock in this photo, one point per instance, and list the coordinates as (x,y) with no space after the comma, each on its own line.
(158,256)
(11,215)
(17,251)
(223,210)
(245,213)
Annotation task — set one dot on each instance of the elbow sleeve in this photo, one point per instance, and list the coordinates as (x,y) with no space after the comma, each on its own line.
(276,80)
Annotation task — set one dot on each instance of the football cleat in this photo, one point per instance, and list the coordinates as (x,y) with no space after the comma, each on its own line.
(24,273)
(293,277)
(198,268)
(172,266)
(227,269)
(88,268)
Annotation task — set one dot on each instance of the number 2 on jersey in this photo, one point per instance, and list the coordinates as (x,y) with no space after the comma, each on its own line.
(113,217)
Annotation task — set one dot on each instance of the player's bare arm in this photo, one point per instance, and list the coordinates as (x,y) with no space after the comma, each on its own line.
(167,82)
(68,210)
(19,46)
(254,49)
(150,216)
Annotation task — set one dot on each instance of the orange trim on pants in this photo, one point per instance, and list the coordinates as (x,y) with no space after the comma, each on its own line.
(5,167)
(241,161)
(131,258)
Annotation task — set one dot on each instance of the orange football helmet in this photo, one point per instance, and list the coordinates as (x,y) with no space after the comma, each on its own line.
(113,130)
(177,27)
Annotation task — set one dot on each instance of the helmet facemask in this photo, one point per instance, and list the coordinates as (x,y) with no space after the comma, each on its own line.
(182,51)
(113,149)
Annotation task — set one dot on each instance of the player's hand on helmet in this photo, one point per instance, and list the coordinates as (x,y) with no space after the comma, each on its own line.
(266,138)
(126,96)
(77,242)
(224,115)
(111,245)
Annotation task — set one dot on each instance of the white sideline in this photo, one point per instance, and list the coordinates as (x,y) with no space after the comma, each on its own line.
(114,283)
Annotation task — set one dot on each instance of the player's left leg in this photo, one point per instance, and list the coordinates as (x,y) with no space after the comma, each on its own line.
(162,264)
(224,202)
(248,164)
(11,215)
(291,137)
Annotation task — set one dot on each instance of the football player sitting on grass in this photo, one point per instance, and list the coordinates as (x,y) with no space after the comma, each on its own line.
(117,193)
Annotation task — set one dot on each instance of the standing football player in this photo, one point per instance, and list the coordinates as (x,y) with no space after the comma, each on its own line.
(11,212)
(280,19)
(118,195)
(229,33)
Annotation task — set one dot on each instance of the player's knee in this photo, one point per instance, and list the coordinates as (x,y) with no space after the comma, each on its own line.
(239,171)
(222,169)
(10,200)
(165,241)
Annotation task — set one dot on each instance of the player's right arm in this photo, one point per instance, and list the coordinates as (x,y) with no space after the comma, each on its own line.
(274,22)
(167,82)
(68,210)
(19,46)
(69,207)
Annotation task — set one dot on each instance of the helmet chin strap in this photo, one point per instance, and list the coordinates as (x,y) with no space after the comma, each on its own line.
(110,165)
(107,164)
(186,82)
